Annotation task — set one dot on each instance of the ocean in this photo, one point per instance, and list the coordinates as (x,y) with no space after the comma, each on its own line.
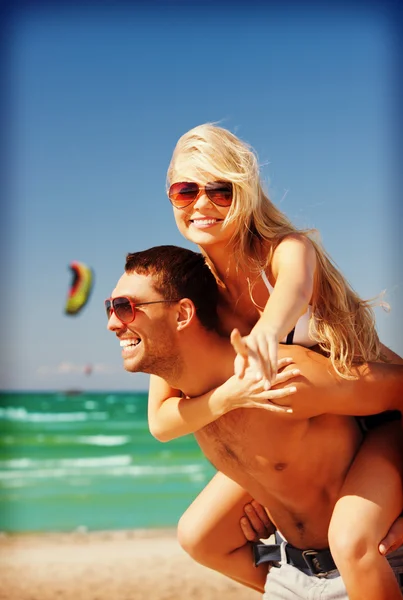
(87,461)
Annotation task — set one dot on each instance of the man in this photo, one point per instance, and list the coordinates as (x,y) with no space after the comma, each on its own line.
(163,310)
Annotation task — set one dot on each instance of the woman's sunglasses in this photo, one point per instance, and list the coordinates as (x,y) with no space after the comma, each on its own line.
(125,309)
(184,193)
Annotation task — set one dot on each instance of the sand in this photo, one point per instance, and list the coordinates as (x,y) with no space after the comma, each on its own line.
(119,565)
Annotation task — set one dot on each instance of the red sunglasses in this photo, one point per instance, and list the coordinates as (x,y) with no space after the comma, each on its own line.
(125,309)
(182,194)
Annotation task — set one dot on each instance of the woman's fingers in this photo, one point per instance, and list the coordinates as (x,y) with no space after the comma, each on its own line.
(240,365)
(260,366)
(283,362)
(263,353)
(273,360)
(286,376)
(238,344)
(268,399)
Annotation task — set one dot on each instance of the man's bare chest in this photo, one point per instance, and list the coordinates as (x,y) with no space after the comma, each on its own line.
(253,441)
(278,457)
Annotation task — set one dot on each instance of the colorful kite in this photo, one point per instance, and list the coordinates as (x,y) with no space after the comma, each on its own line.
(80,289)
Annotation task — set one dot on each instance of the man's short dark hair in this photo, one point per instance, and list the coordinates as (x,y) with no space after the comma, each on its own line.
(179,273)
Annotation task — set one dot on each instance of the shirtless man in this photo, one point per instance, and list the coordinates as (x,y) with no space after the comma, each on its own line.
(294,465)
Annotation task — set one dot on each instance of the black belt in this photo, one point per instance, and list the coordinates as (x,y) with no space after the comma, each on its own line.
(319,562)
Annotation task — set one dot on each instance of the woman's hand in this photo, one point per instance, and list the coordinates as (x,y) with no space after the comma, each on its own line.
(246,392)
(257,352)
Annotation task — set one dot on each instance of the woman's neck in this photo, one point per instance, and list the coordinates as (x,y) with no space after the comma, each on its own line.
(235,276)
(225,262)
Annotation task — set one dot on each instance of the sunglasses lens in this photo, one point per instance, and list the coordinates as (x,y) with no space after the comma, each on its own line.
(183,194)
(220,192)
(108,308)
(123,309)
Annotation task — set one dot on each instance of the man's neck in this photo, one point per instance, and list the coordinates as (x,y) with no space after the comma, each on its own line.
(207,361)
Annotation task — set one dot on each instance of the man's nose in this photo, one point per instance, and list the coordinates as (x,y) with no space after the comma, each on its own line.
(113,322)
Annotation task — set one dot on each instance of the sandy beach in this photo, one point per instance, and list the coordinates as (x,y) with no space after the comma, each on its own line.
(118,565)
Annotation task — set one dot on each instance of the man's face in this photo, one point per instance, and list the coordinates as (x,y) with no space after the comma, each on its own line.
(149,343)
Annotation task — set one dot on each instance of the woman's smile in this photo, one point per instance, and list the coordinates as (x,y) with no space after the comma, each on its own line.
(205,222)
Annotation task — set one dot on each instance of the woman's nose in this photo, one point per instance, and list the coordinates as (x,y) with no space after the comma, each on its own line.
(202,200)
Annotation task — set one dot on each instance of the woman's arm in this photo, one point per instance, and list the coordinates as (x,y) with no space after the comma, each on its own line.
(378,387)
(293,267)
(171,415)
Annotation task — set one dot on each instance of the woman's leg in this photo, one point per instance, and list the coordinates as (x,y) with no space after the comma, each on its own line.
(370,500)
(210,532)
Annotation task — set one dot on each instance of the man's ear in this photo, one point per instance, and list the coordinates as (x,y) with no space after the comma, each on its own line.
(186,313)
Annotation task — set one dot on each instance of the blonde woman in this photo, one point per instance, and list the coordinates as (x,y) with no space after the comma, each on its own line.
(277,284)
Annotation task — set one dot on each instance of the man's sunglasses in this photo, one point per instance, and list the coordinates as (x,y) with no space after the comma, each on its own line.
(184,193)
(125,309)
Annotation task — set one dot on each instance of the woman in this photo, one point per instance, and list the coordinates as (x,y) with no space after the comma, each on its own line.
(276,285)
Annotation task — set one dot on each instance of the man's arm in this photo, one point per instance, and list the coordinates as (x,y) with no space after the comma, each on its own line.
(378,387)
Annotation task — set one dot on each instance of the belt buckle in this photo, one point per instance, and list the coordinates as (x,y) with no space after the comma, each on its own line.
(312,562)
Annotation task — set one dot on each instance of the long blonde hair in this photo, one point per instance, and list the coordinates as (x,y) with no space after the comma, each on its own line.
(343,323)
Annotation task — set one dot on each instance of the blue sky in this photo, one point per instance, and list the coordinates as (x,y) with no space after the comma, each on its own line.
(98,101)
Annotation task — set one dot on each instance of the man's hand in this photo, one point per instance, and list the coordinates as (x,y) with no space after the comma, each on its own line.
(256,525)
(393,539)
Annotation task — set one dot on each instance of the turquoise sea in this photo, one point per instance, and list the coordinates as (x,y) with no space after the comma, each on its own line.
(87,460)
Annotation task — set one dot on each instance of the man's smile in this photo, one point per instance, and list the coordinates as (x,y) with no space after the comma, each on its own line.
(128,345)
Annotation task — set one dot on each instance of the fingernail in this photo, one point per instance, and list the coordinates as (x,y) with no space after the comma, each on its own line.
(289,410)
(296,372)
(382,549)
(292,390)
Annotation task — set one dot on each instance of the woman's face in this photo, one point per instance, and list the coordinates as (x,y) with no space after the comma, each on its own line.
(202,222)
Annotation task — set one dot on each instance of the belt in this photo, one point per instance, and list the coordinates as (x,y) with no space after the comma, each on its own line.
(319,562)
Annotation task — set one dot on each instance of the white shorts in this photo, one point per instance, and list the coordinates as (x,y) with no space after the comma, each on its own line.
(286,582)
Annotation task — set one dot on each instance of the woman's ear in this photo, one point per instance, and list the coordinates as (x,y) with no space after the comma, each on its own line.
(186,313)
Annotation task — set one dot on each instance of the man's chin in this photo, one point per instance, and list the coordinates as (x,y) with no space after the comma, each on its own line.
(131,365)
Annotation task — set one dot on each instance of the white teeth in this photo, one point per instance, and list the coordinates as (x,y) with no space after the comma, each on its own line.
(126,343)
(205,221)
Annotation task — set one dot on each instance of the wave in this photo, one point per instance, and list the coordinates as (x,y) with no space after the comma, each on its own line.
(21,414)
(29,463)
(26,469)
(72,440)
(103,440)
